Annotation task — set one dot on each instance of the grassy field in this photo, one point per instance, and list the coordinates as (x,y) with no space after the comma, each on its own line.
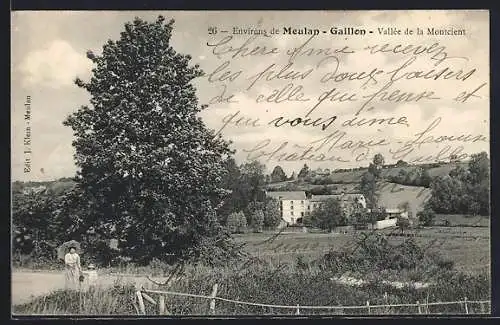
(467,247)
(459,220)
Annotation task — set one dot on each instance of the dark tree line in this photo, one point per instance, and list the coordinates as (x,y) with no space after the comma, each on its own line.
(463,190)
(413,177)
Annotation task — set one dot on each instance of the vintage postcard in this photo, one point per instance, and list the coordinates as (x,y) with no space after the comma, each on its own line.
(265,163)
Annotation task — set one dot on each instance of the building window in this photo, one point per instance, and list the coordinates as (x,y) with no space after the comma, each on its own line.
(308,207)
(291,207)
(301,202)
(302,214)
(291,213)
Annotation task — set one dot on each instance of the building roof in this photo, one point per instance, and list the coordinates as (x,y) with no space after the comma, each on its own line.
(287,195)
(351,196)
(324,197)
(396,210)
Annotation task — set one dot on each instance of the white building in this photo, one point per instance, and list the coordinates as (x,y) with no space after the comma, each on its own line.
(293,205)
(391,218)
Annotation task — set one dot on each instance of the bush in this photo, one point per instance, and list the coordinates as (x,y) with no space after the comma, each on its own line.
(403,224)
(257,220)
(236,222)
(426,217)
(101,253)
(374,253)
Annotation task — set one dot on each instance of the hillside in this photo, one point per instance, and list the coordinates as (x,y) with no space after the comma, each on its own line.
(391,195)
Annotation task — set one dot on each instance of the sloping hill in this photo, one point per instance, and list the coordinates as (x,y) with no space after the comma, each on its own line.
(60,186)
(391,195)
(353,176)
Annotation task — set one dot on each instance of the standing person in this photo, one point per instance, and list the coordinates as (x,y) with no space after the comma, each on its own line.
(73,269)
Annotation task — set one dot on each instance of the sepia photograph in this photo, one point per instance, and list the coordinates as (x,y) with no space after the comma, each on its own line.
(250,163)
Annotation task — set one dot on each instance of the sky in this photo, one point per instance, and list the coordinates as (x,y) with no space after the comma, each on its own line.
(49,51)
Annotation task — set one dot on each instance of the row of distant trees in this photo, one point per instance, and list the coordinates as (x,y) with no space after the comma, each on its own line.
(416,176)
(261,215)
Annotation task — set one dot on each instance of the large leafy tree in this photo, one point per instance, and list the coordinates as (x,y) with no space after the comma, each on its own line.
(304,171)
(278,175)
(464,190)
(272,213)
(369,189)
(370,180)
(328,215)
(257,220)
(252,180)
(34,223)
(238,198)
(149,169)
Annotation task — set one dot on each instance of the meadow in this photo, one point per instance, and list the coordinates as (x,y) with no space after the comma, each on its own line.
(467,247)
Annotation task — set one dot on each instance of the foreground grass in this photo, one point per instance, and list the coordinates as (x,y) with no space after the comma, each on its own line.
(116,300)
(284,285)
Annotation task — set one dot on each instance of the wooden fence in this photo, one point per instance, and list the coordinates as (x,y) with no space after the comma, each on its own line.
(368,309)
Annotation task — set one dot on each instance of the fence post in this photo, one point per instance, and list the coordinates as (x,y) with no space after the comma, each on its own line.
(148,298)
(212,301)
(136,308)
(465,304)
(419,307)
(368,306)
(481,305)
(298,310)
(142,308)
(161,302)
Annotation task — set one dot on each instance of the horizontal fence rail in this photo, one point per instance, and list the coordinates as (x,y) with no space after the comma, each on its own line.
(419,307)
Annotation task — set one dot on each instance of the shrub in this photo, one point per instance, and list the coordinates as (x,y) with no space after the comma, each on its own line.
(101,253)
(257,220)
(403,224)
(426,217)
(236,222)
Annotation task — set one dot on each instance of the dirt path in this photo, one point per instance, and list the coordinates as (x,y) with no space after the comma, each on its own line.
(26,285)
